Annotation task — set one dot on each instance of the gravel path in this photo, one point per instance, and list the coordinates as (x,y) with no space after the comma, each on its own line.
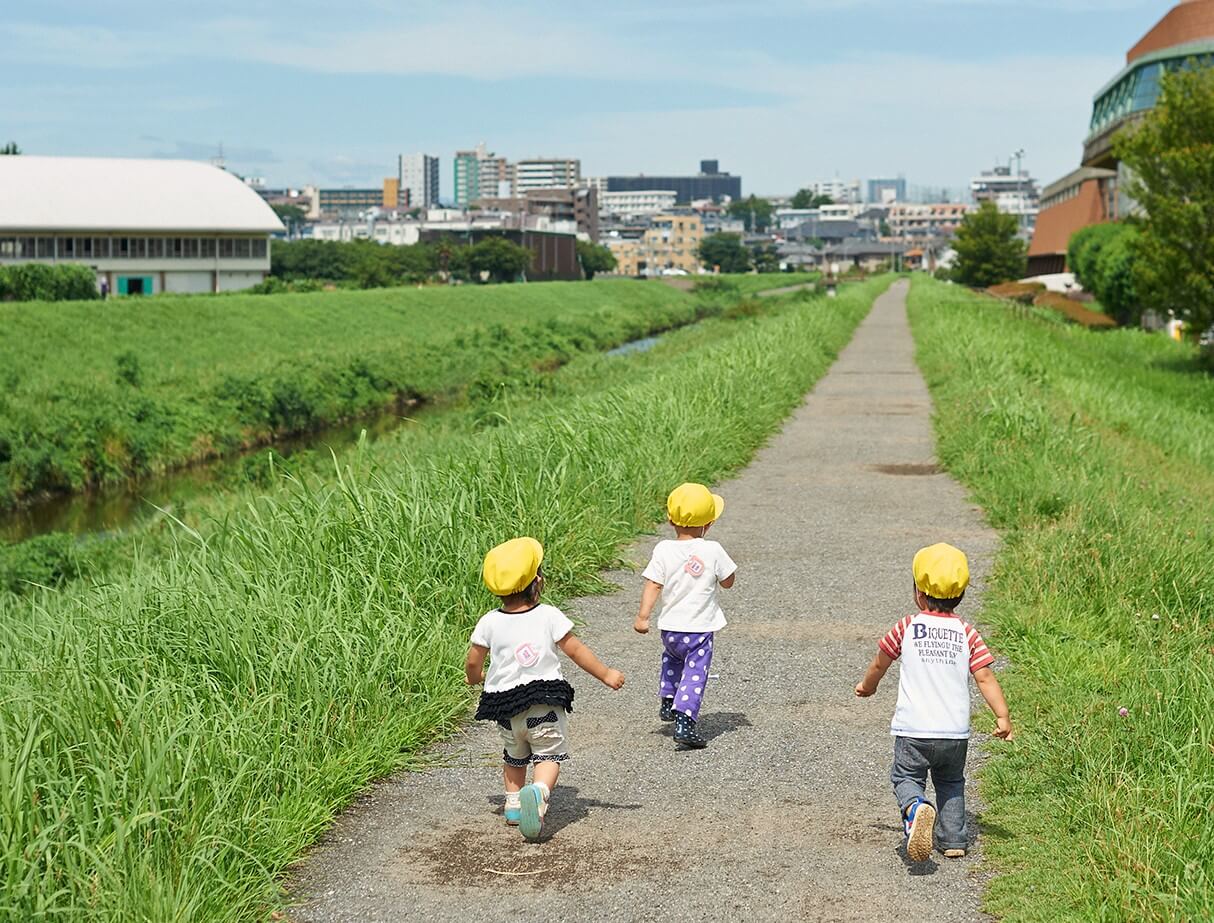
(788,814)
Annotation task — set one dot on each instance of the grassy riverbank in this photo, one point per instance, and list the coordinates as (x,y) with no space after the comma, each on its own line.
(173,739)
(1093,453)
(97,392)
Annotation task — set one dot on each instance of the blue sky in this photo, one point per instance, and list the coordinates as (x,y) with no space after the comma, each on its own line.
(782,92)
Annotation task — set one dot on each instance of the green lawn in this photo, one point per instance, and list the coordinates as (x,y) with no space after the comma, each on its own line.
(101,391)
(1093,454)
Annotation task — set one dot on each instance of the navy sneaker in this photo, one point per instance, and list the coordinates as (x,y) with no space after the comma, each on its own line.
(685,736)
(919,822)
(666,710)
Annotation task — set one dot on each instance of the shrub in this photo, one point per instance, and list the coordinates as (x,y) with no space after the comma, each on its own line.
(42,282)
(1102,258)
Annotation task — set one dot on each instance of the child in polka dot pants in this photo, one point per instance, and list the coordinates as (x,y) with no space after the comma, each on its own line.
(686,573)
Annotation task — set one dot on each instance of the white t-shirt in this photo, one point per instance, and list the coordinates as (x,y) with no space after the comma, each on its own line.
(689,572)
(938,652)
(522,645)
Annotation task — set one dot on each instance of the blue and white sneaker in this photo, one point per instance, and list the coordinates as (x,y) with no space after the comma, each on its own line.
(513,815)
(919,822)
(532,808)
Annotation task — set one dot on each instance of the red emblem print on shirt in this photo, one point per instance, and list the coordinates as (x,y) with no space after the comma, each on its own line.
(694,566)
(526,654)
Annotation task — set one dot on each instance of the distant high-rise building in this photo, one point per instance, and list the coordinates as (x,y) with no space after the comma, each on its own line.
(418,175)
(887,191)
(545,173)
(843,192)
(709,183)
(480,174)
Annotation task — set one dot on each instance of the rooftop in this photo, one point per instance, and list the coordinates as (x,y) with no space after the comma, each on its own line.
(112,194)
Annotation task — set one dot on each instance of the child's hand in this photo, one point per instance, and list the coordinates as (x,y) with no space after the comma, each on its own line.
(864,691)
(613,679)
(641,626)
(1003,728)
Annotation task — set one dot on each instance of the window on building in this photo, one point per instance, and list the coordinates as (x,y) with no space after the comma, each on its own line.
(242,248)
(155,248)
(226,248)
(101,248)
(260,248)
(206,248)
(46,248)
(8,248)
(139,248)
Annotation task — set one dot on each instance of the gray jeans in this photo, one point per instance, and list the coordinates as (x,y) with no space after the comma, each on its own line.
(913,757)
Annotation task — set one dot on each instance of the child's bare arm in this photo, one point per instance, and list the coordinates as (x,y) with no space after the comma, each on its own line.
(584,657)
(474,664)
(872,678)
(650,592)
(989,686)
(728,581)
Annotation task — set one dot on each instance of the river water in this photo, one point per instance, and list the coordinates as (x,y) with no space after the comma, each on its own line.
(120,506)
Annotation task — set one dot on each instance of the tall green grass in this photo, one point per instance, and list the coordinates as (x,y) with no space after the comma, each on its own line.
(171,741)
(1093,453)
(95,392)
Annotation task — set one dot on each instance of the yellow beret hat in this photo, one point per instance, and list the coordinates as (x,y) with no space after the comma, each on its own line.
(691,505)
(941,571)
(511,566)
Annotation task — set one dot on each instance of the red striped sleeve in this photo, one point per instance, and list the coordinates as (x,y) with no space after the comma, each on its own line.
(979,656)
(892,642)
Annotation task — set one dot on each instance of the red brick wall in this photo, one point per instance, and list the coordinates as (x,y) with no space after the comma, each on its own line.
(1056,224)
(1190,21)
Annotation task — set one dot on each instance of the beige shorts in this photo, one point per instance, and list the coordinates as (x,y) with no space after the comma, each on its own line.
(535,735)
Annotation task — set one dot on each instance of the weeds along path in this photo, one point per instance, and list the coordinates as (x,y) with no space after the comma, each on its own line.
(788,813)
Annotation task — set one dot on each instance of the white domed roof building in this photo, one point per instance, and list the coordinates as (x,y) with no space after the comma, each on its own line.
(144,226)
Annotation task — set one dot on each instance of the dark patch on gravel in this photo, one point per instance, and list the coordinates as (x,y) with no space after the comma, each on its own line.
(909,470)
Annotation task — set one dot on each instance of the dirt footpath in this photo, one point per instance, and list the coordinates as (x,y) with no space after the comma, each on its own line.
(788,815)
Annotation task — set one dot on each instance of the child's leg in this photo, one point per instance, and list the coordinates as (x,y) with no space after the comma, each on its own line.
(698,658)
(516,755)
(515,778)
(909,772)
(546,773)
(671,667)
(948,776)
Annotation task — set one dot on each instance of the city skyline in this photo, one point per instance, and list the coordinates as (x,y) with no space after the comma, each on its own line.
(789,94)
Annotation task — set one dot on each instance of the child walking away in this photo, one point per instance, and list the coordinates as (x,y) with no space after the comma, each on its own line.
(931,725)
(685,572)
(525,692)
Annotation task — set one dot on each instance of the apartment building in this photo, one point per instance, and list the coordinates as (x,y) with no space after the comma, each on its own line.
(670,243)
(418,178)
(644,202)
(480,173)
(545,173)
(909,221)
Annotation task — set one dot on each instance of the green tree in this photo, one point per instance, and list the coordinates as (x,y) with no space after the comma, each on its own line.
(1103,257)
(754,211)
(766,258)
(807,198)
(10,148)
(594,258)
(502,260)
(988,250)
(724,252)
(1171,159)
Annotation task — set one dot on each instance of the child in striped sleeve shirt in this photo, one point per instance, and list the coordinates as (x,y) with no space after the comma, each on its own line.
(931,725)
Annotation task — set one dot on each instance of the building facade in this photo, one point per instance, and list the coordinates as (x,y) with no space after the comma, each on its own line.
(1013,193)
(845,192)
(1184,37)
(143,226)
(480,174)
(418,176)
(886,191)
(545,173)
(709,184)
(670,243)
(629,204)
(348,202)
(921,222)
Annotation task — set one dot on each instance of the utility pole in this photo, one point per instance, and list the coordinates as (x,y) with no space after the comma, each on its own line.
(1019,155)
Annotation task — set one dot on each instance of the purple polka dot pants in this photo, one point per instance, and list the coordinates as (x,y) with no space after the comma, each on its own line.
(686,657)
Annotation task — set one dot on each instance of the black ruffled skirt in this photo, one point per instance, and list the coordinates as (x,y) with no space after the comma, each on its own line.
(504,705)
